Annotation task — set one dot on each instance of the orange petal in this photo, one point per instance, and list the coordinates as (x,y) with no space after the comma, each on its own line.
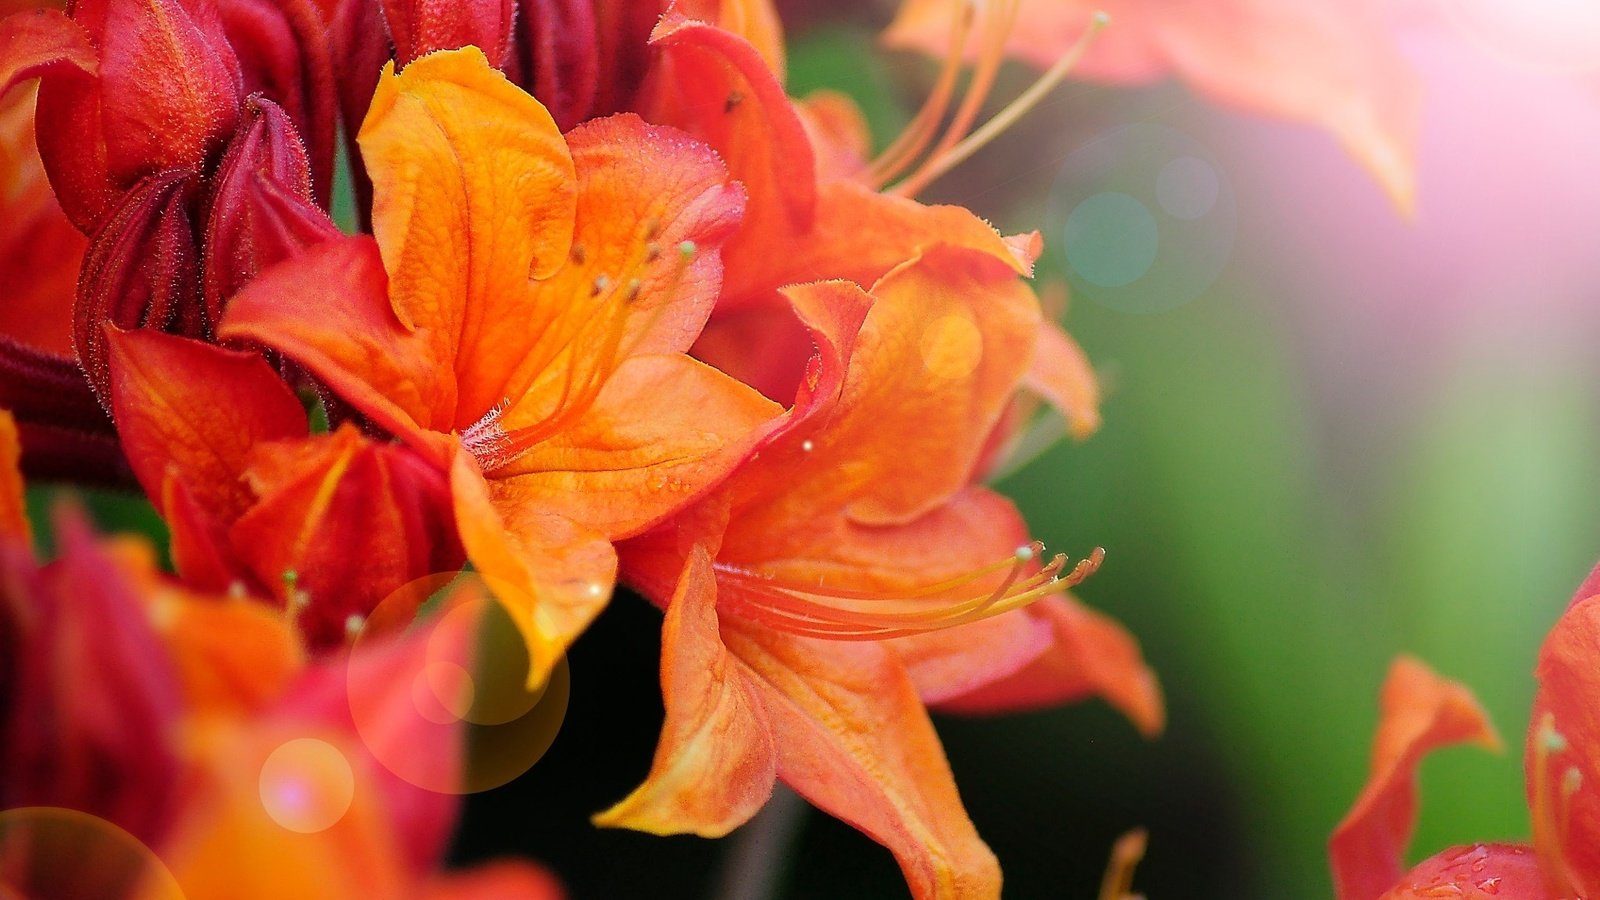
(1062,376)
(1476,872)
(34,41)
(839,132)
(616,471)
(13,502)
(1563,751)
(474,195)
(853,739)
(715,85)
(198,410)
(948,339)
(40,287)
(331,838)
(233,656)
(714,767)
(653,210)
(1091,655)
(507,879)
(1420,712)
(1329,63)
(328,309)
(857,235)
(553,576)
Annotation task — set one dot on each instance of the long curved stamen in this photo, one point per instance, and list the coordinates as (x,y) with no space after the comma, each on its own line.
(904,150)
(990,57)
(942,162)
(607,324)
(845,614)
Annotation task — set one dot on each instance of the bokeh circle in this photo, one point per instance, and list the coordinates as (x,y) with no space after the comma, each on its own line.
(48,851)
(1143,217)
(466,688)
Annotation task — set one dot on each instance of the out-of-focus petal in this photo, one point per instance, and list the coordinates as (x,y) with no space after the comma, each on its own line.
(510,879)
(1420,712)
(715,765)
(1476,872)
(1062,376)
(1563,752)
(14,524)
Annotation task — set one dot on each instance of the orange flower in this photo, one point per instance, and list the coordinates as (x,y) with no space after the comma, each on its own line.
(1328,63)
(521,319)
(195,723)
(1422,711)
(850,572)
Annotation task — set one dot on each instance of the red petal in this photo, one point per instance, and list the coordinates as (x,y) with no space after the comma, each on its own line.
(1421,712)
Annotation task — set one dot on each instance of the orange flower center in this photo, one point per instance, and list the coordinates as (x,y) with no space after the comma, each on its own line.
(850,615)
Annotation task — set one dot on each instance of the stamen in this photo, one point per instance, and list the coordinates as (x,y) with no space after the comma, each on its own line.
(1126,855)
(904,150)
(602,328)
(846,614)
(947,158)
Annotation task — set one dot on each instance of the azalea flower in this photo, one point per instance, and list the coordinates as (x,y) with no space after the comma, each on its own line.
(189,715)
(1422,711)
(849,573)
(1329,63)
(585,423)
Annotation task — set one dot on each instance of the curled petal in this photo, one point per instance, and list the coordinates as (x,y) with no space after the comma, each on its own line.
(553,576)
(715,766)
(1420,712)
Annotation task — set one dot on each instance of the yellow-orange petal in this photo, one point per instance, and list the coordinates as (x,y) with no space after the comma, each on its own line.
(552,575)
(13,503)
(474,195)
(1420,712)
(617,470)
(1062,376)
(654,208)
(939,356)
(233,656)
(715,765)
(853,738)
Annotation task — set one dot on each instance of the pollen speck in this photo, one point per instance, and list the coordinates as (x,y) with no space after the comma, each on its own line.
(807,445)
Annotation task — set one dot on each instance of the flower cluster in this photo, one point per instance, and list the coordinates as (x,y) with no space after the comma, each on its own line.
(620,311)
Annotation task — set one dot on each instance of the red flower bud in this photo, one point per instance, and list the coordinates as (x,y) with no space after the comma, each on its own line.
(261,209)
(419,27)
(141,271)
